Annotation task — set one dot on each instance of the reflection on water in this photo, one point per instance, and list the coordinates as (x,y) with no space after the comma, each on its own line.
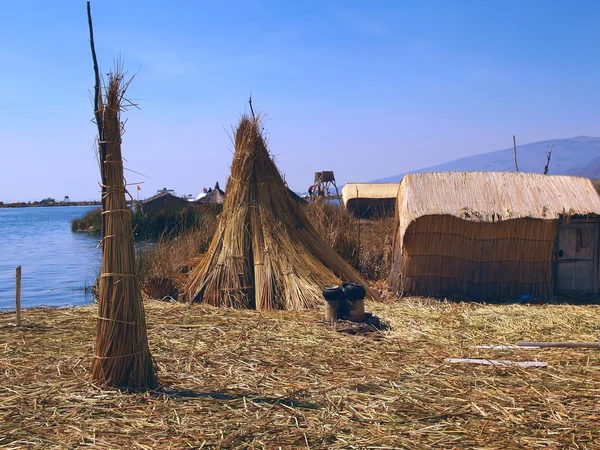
(57,264)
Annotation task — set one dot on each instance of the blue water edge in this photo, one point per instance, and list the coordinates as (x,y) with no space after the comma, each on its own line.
(57,264)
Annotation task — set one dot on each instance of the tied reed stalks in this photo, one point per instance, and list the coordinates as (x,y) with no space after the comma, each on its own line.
(122,356)
(265,253)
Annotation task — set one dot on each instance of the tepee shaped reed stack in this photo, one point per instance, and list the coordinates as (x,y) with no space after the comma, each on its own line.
(122,356)
(265,254)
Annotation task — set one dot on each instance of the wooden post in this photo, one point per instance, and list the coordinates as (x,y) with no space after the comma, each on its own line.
(18,298)
(515,152)
(549,155)
(358,246)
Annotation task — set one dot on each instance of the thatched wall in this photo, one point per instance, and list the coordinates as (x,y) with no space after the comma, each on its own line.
(482,234)
(444,255)
(371,207)
(370,199)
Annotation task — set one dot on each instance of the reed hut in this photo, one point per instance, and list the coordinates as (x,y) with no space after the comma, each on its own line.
(163,201)
(215,197)
(370,199)
(495,236)
(265,253)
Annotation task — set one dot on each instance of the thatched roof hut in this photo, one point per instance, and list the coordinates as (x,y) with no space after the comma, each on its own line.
(163,200)
(370,199)
(215,197)
(495,235)
(265,253)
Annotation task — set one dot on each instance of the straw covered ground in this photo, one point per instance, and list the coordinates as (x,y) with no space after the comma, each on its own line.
(273,379)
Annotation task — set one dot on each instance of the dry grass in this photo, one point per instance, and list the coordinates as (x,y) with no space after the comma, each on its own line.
(163,267)
(247,379)
(172,257)
(346,234)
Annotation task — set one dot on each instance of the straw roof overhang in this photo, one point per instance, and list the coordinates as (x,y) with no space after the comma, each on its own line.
(159,195)
(353,191)
(163,201)
(494,196)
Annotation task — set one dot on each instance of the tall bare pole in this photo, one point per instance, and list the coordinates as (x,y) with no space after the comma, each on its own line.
(515,152)
(18,297)
(549,155)
(122,356)
(98,116)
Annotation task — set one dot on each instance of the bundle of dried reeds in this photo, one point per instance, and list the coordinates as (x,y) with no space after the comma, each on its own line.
(265,254)
(122,357)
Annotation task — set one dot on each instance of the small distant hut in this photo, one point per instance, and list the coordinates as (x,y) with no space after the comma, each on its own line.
(215,197)
(370,199)
(495,236)
(163,200)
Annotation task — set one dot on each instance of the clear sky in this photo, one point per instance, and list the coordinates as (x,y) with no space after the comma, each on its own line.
(368,89)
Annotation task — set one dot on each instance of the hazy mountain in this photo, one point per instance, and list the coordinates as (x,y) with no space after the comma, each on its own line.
(576,156)
(592,170)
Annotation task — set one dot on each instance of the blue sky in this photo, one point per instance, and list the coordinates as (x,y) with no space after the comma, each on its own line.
(367,89)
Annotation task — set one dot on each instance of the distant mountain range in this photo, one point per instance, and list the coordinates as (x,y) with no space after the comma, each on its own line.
(578,156)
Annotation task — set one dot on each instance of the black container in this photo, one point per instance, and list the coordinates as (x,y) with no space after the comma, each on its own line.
(354,291)
(333,293)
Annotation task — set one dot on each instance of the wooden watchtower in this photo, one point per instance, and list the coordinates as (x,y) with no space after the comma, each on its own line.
(324,184)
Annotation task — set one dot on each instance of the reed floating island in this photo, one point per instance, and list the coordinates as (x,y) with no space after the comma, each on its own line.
(236,378)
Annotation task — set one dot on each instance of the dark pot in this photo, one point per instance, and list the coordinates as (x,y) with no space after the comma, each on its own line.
(354,291)
(333,293)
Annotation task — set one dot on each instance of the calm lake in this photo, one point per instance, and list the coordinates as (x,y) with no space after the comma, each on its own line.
(57,264)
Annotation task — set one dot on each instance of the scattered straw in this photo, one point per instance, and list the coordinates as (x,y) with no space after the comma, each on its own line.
(247,379)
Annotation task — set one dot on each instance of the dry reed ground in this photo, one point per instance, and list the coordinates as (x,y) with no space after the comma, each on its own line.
(248,379)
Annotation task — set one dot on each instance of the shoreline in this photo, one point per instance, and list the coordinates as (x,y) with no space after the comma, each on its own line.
(39,205)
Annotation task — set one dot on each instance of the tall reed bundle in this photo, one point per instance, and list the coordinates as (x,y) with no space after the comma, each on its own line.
(265,253)
(122,357)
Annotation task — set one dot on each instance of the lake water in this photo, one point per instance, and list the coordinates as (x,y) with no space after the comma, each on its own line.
(57,264)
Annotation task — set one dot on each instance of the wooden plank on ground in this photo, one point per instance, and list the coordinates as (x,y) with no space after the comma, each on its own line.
(560,344)
(497,362)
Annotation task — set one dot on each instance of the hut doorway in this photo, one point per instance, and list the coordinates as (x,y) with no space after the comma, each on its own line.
(577,258)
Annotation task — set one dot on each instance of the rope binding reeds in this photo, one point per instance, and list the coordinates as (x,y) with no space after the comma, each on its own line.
(122,356)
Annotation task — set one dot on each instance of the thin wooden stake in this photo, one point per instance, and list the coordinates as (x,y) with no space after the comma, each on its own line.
(515,152)
(99,124)
(548,162)
(559,344)
(496,362)
(18,298)
(251,108)
(359,217)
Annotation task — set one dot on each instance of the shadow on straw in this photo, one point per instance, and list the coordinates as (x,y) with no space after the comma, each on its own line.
(189,393)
